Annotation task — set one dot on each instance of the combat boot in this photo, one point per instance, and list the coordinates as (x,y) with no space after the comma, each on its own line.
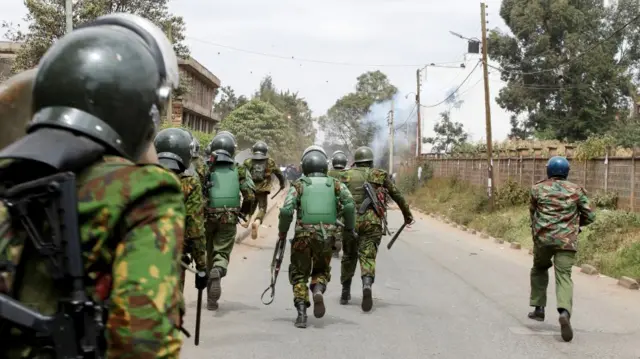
(318,300)
(301,320)
(254,228)
(214,288)
(367,295)
(537,314)
(345,296)
(566,331)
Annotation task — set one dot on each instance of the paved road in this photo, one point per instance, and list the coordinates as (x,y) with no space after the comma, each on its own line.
(439,293)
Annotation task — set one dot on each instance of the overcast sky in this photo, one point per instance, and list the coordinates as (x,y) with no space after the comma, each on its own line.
(360,33)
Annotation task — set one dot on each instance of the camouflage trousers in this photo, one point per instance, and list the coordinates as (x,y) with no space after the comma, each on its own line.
(260,204)
(364,249)
(562,260)
(220,240)
(310,257)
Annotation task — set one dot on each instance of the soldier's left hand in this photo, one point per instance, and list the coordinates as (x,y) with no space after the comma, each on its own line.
(282,235)
(201,280)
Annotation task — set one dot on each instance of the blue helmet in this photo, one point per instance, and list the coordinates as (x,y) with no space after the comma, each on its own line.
(558,167)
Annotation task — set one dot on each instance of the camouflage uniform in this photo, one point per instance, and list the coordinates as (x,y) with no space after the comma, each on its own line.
(368,226)
(558,209)
(131,226)
(194,235)
(200,168)
(221,226)
(311,245)
(335,173)
(263,186)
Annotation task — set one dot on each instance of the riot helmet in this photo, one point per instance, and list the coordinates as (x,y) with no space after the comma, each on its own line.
(314,160)
(109,80)
(363,155)
(339,160)
(558,167)
(230,134)
(223,146)
(174,150)
(259,150)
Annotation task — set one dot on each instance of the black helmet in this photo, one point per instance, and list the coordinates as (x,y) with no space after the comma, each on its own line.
(314,160)
(224,147)
(173,147)
(108,80)
(230,134)
(339,160)
(363,154)
(259,150)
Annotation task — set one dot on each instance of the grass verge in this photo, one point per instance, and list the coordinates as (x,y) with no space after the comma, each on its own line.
(611,244)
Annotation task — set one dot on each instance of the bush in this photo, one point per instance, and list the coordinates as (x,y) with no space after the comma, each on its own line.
(511,194)
(407,181)
(605,200)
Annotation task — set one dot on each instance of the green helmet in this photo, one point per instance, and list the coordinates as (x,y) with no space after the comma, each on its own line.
(224,147)
(339,160)
(108,80)
(314,160)
(259,150)
(363,154)
(174,150)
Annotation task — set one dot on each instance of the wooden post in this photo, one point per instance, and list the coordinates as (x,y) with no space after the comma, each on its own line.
(606,170)
(632,193)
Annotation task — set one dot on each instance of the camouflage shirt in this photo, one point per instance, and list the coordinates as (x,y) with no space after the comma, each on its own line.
(271,168)
(558,209)
(382,183)
(194,240)
(200,168)
(344,203)
(247,189)
(132,227)
(335,173)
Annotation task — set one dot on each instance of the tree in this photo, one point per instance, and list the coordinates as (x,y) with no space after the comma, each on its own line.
(257,120)
(346,122)
(228,102)
(449,134)
(46,23)
(568,69)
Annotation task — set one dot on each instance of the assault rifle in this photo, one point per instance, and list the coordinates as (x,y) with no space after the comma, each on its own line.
(77,329)
(276,262)
(372,200)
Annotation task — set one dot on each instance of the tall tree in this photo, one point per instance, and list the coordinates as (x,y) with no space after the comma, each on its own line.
(346,122)
(448,135)
(568,66)
(227,102)
(46,22)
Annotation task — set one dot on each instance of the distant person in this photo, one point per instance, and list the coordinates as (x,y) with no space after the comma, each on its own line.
(558,209)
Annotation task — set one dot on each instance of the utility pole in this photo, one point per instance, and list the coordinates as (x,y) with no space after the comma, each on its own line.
(487,106)
(170,104)
(419,125)
(68,11)
(391,131)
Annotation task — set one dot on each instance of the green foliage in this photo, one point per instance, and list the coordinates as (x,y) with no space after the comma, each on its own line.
(626,131)
(46,23)
(593,147)
(203,137)
(605,200)
(228,102)
(559,84)
(407,181)
(345,122)
(258,120)
(511,194)
(449,134)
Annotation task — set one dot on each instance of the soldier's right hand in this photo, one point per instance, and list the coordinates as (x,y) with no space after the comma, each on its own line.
(201,280)
(186,259)
(409,220)
(282,235)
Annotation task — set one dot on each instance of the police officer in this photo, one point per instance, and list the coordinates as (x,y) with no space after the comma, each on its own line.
(368,225)
(558,209)
(197,164)
(227,181)
(96,101)
(261,167)
(339,163)
(174,149)
(316,199)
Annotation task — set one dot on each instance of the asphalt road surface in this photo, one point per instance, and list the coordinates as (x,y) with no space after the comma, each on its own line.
(439,293)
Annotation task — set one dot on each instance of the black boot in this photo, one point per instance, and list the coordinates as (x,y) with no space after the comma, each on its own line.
(214,288)
(565,325)
(537,314)
(367,295)
(345,297)
(301,320)
(318,300)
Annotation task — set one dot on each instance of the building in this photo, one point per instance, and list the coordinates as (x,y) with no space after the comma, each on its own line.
(195,108)
(8,51)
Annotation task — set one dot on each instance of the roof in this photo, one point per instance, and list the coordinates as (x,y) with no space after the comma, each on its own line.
(9,47)
(196,68)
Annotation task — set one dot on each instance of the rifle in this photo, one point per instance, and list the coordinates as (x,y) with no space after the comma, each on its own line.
(276,262)
(378,208)
(76,330)
(196,339)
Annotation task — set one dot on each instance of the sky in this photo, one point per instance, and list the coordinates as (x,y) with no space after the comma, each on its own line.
(343,39)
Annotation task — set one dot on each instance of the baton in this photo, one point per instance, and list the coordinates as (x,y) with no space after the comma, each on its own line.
(280,190)
(395,236)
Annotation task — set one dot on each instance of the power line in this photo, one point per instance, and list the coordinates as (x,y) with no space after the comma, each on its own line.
(293,58)
(454,92)
(582,54)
